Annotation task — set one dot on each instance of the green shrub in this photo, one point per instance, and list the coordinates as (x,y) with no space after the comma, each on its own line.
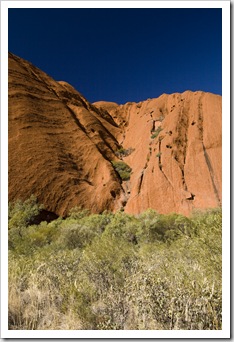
(78,212)
(166,228)
(19,216)
(123,169)
(123,152)
(38,236)
(20,213)
(76,235)
(123,226)
(97,222)
(156,132)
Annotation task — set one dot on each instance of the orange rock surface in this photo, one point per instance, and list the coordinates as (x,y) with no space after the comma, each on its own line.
(61,148)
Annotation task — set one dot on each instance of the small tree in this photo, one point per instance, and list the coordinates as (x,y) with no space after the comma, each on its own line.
(123,169)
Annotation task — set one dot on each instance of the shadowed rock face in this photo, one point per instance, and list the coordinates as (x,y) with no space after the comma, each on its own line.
(61,148)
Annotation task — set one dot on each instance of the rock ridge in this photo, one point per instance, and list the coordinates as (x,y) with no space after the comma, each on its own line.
(62,148)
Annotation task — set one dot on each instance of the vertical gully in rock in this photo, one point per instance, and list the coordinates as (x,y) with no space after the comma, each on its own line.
(206,156)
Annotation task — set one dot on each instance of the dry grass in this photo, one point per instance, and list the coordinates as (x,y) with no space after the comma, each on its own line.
(150,272)
(39,307)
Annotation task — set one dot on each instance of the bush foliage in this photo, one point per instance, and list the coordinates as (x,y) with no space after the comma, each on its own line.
(123,152)
(156,132)
(123,169)
(115,271)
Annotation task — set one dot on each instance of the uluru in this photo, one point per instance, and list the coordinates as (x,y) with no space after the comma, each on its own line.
(163,153)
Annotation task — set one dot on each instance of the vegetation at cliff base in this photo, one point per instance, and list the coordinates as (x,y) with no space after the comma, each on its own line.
(115,271)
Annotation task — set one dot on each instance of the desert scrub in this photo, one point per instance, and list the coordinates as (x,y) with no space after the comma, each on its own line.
(166,228)
(78,213)
(117,271)
(171,294)
(104,268)
(41,290)
(123,152)
(123,169)
(21,213)
(156,132)
(123,226)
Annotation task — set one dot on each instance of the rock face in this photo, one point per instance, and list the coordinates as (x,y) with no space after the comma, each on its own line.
(61,148)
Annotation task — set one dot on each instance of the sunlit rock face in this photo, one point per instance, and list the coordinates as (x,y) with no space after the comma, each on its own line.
(61,148)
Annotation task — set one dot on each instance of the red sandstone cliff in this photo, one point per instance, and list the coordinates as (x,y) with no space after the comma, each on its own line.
(61,147)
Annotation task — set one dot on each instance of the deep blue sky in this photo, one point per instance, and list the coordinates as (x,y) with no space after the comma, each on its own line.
(122,55)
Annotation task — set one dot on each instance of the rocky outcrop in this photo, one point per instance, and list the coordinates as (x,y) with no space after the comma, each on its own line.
(61,148)
(177,158)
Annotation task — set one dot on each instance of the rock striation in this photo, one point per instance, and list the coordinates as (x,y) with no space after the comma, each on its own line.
(62,148)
